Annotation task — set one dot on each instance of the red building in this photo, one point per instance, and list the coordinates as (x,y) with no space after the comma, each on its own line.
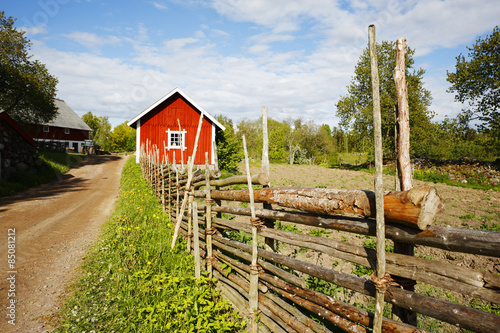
(171,125)
(67,129)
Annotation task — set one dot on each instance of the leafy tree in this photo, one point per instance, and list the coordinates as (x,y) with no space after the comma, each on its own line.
(27,90)
(123,138)
(276,133)
(252,129)
(93,122)
(103,133)
(229,147)
(476,80)
(355,109)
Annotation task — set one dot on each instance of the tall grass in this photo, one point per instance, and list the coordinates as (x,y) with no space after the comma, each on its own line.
(133,282)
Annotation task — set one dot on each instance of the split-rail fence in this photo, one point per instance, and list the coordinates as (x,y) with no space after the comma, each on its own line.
(285,304)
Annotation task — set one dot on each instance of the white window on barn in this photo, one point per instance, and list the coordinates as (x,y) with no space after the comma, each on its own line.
(176,139)
(66,131)
(46,129)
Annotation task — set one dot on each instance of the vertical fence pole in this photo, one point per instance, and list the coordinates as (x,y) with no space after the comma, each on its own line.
(404,168)
(254,272)
(188,184)
(269,242)
(190,207)
(208,217)
(196,242)
(162,172)
(379,195)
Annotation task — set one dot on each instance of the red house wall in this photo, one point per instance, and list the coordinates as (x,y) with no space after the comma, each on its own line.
(57,133)
(155,124)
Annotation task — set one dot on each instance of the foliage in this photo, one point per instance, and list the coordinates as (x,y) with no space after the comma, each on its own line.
(133,281)
(355,109)
(101,130)
(54,165)
(229,147)
(476,80)
(27,90)
(123,138)
(93,122)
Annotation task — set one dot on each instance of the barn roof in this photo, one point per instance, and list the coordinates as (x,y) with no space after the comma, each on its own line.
(67,118)
(133,122)
(5,117)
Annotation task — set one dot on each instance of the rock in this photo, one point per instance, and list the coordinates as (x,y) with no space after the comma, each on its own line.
(464,181)
(22,166)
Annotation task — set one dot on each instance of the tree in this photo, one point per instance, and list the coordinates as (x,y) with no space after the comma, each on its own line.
(123,138)
(93,122)
(103,133)
(27,90)
(229,147)
(355,109)
(476,80)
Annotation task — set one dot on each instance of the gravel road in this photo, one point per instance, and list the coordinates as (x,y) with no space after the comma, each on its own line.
(50,228)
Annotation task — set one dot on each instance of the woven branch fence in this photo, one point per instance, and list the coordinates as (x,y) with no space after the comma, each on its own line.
(285,304)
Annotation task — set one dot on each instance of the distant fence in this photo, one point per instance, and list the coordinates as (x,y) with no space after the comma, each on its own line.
(285,303)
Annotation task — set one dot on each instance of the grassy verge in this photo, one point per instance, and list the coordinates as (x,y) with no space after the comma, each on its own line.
(133,282)
(54,164)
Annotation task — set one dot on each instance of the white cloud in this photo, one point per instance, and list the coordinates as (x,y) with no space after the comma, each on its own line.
(298,82)
(159,6)
(40,29)
(92,41)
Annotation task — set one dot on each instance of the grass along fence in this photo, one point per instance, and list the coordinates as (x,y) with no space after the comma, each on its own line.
(285,303)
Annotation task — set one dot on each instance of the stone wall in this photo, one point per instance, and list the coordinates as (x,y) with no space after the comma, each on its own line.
(16,154)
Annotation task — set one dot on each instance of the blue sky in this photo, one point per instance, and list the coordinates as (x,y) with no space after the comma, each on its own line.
(115,58)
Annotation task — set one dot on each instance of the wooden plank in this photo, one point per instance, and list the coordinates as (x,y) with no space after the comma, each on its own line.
(455,314)
(480,242)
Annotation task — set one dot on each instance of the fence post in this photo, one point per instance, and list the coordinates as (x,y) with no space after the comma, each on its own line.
(379,195)
(190,207)
(254,268)
(269,242)
(162,187)
(196,241)
(403,164)
(208,217)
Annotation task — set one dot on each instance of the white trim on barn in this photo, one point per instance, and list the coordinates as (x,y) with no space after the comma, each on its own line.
(158,102)
(138,141)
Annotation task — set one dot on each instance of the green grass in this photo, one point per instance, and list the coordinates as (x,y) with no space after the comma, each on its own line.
(53,166)
(132,281)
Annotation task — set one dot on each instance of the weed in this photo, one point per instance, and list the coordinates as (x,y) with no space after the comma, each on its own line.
(319,232)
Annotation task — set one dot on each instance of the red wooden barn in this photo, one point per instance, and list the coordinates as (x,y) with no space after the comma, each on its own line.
(67,129)
(171,124)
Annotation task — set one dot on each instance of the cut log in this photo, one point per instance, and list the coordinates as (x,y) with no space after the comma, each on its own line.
(417,207)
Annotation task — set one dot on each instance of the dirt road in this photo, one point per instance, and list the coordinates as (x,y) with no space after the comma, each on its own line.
(50,228)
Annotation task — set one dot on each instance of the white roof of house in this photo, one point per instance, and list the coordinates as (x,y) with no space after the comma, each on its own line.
(133,122)
(67,117)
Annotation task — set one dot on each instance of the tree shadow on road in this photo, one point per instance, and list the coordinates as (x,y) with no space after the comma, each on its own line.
(66,183)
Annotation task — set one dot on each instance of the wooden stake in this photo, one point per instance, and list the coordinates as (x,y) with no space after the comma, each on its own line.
(208,217)
(196,241)
(403,167)
(379,194)
(254,273)
(190,208)
(268,242)
(182,143)
(188,184)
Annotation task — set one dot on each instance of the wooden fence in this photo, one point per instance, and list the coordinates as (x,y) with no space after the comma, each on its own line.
(284,303)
